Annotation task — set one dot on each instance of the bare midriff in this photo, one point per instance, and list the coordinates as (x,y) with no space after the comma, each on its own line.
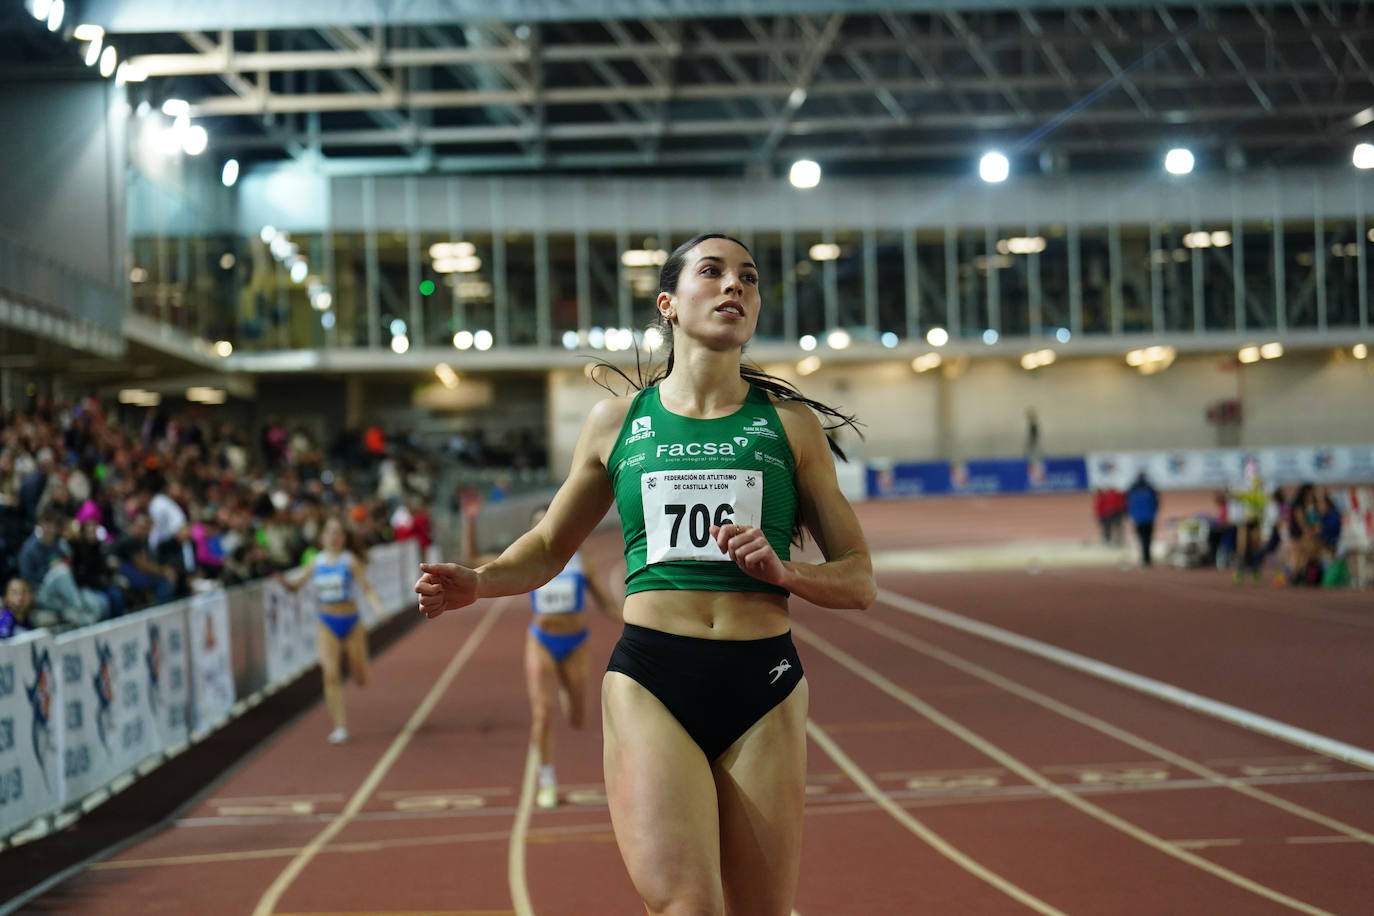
(710,615)
(339,608)
(561,624)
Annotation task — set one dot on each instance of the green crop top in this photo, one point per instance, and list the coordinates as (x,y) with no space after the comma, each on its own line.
(674,477)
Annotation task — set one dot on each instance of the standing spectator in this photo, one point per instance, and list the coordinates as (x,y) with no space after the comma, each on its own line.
(1142,502)
(166,514)
(14,614)
(1032,433)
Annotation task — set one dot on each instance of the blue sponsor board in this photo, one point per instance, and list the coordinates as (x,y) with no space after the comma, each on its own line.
(942,478)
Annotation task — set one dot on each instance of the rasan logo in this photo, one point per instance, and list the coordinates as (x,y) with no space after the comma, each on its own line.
(640,428)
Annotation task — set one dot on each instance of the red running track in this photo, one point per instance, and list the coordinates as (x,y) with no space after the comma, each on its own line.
(949,774)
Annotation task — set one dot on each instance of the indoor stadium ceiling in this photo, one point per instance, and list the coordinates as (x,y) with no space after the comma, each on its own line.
(678,86)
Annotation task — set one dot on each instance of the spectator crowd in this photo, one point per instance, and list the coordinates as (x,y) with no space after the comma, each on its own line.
(100,517)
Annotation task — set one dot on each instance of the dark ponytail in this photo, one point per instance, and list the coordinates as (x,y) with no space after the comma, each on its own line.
(647,376)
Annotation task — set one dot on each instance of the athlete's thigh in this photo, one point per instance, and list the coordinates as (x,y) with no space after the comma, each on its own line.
(572,682)
(761,785)
(539,667)
(330,650)
(662,799)
(355,643)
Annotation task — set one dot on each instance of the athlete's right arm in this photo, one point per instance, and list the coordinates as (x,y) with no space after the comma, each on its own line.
(540,553)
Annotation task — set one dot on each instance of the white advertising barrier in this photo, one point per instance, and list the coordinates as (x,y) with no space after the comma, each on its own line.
(212,673)
(167,693)
(1201,468)
(308,625)
(30,731)
(407,574)
(282,622)
(107,723)
(383,574)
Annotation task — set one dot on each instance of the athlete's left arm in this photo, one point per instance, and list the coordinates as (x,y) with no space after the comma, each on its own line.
(360,576)
(845,579)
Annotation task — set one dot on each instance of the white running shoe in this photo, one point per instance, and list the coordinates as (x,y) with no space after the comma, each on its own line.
(338,735)
(547,796)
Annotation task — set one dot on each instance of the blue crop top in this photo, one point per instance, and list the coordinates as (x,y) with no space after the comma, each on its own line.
(333,581)
(565,593)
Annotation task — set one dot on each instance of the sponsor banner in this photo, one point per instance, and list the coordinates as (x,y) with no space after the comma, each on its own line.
(281,621)
(107,726)
(212,673)
(307,626)
(939,478)
(168,693)
(384,574)
(1231,467)
(31,782)
(407,573)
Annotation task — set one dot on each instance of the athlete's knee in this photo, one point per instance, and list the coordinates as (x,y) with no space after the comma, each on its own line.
(686,903)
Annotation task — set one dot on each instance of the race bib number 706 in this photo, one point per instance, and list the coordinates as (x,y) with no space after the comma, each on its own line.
(681,506)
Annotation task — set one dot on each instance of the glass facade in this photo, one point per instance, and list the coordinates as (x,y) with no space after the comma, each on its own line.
(528,284)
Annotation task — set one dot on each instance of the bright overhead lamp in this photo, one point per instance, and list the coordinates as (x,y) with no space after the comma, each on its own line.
(93,53)
(399,344)
(1363,156)
(482,340)
(1359,351)
(176,108)
(837,339)
(87,32)
(804,174)
(937,337)
(1178,161)
(56,11)
(230,173)
(108,59)
(194,140)
(463,340)
(807,342)
(994,168)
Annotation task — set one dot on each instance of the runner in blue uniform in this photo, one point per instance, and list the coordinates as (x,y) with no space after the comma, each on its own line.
(334,573)
(556,650)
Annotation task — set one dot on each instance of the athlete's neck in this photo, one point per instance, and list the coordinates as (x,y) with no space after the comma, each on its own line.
(703,384)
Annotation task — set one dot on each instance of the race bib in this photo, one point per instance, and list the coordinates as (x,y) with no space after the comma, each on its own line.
(681,506)
(560,595)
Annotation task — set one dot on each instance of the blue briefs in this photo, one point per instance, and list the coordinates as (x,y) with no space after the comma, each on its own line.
(560,645)
(338,624)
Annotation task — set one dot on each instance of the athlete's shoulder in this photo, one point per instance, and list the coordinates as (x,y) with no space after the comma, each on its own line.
(608,414)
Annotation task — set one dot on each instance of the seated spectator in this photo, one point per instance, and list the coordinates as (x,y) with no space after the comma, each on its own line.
(1328,526)
(14,613)
(45,563)
(151,581)
(177,554)
(92,567)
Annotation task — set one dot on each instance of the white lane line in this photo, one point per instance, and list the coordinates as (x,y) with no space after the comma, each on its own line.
(515,865)
(1243,786)
(268,904)
(1029,774)
(905,818)
(1234,715)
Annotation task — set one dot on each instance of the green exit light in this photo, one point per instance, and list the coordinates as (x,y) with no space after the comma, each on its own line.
(426,287)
